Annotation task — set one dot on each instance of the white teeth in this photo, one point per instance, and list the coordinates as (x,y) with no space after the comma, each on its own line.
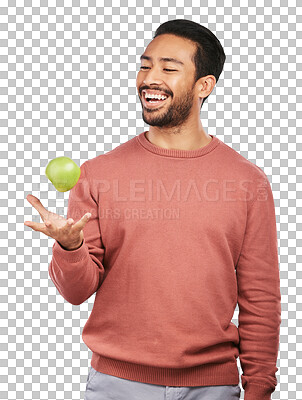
(155,96)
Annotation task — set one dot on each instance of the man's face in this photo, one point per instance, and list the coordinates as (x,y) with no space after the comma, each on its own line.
(171,78)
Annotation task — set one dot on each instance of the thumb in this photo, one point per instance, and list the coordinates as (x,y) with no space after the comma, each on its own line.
(82,222)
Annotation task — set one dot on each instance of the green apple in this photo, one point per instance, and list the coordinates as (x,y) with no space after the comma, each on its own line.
(63,173)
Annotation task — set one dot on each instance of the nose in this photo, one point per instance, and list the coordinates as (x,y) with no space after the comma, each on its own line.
(152,77)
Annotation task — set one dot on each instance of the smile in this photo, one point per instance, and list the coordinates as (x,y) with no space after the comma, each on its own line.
(153,103)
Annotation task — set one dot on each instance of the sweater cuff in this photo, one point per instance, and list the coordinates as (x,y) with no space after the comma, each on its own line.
(72,256)
(254,391)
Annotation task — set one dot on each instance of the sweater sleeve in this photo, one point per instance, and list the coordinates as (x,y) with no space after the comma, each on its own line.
(77,274)
(259,297)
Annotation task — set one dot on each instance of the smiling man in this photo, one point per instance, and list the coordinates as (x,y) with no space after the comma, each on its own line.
(182,229)
(170,96)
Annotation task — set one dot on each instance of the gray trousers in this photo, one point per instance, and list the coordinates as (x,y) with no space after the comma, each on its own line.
(101,386)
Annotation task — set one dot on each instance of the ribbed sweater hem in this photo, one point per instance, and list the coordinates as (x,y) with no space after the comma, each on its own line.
(203,375)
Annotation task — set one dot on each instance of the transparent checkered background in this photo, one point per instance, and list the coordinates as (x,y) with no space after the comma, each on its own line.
(68,87)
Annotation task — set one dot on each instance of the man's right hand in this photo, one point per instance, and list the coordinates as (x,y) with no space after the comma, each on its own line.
(68,233)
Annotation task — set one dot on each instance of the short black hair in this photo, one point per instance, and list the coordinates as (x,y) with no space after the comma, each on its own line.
(209,56)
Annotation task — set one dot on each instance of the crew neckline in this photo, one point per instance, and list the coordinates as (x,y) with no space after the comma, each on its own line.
(142,140)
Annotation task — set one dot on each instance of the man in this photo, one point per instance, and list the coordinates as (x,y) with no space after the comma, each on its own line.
(173,228)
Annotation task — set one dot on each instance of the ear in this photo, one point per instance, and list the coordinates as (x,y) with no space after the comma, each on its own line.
(206,85)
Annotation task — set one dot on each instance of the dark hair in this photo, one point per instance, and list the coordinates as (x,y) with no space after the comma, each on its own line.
(209,56)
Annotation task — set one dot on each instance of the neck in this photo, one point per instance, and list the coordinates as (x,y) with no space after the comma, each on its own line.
(179,138)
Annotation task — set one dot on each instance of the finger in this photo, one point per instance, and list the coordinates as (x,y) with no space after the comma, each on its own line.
(67,226)
(79,225)
(36,226)
(36,203)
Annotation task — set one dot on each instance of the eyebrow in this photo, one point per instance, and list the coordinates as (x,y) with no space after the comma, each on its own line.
(163,59)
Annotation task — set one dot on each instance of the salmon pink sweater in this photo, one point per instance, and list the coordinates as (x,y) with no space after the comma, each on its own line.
(175,240)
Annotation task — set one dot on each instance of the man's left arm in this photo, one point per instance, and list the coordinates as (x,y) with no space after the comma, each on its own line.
(259,297)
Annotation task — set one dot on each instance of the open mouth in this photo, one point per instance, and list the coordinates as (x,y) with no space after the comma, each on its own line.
(153,102)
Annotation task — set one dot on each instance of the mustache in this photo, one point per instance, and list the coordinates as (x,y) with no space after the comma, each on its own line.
(158,89)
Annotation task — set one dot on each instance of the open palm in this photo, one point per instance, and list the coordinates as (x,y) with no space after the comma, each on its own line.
(68,233)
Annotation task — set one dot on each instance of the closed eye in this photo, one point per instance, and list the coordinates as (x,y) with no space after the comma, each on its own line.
(165,69)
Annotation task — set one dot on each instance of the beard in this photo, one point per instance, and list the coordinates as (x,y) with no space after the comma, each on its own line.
(172,115)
